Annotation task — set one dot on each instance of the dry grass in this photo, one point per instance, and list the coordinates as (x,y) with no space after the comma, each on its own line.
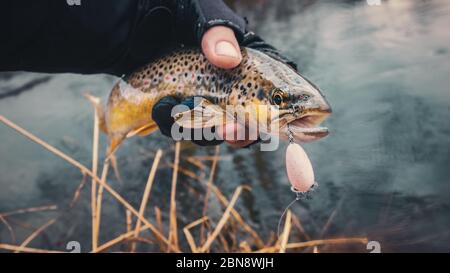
(173,230)
(94,171)
(230,234)
(145,197)
(285,235)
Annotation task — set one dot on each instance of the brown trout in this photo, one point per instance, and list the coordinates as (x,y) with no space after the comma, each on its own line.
(258,81)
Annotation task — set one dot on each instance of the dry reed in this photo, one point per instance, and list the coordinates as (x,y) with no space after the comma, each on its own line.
(145,197)
(222,236)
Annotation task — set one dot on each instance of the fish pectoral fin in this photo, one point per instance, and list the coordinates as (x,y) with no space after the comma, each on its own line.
(204,115)
(143,130)
(148,130)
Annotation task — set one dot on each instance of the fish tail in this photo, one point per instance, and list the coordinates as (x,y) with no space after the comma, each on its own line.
(100,111)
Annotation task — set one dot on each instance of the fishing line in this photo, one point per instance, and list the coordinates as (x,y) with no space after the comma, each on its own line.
(298,194)
(297,197)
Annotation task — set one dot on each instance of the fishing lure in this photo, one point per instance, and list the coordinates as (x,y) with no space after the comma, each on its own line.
(300,173)
(299,168)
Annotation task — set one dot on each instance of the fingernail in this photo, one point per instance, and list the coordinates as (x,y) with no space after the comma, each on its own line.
(224,48)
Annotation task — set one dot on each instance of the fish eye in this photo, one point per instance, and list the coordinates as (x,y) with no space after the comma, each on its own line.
(278,96)
(278,99)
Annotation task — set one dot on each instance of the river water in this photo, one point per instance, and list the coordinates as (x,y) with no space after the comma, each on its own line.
(384,171)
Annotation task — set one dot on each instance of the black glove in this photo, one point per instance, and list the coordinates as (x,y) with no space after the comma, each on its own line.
(161,114)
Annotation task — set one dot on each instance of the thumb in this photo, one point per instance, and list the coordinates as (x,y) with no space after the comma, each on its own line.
(221,48)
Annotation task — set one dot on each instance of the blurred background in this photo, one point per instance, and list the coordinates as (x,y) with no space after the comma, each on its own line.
(384,171)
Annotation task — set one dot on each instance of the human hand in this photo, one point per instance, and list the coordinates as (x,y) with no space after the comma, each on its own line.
(220,46)
(219,32)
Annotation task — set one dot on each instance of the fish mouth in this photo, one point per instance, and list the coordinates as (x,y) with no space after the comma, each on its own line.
(306,128)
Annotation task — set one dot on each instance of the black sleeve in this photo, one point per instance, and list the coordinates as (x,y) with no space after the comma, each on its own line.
(65,35)
(107,36)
